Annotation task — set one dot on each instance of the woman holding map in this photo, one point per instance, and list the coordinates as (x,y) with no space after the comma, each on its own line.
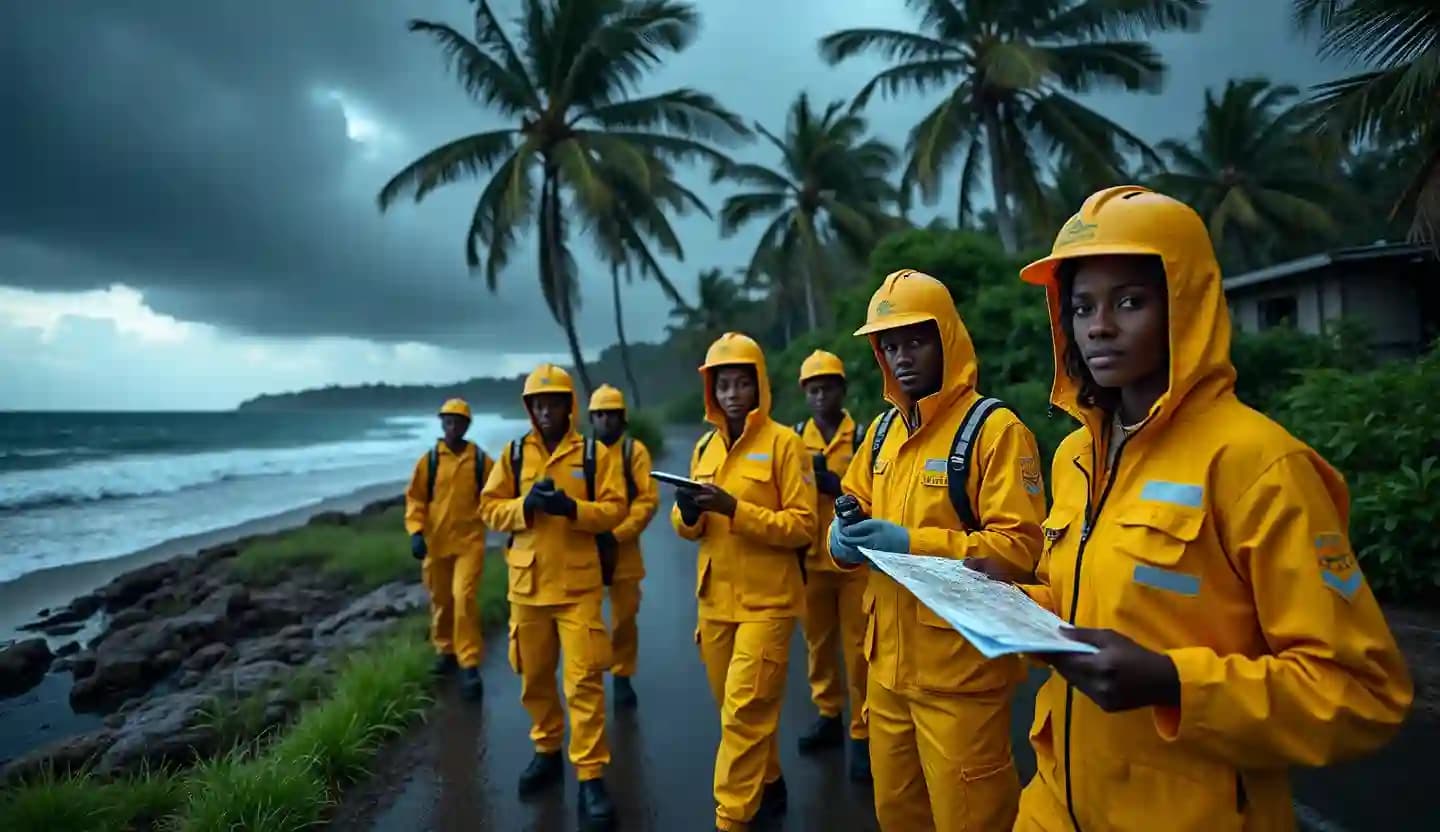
(1197,544)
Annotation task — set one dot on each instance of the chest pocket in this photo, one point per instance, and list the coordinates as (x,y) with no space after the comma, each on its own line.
(1153,538)
(754,482)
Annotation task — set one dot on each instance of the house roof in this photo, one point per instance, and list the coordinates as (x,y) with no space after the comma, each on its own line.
(1316,262)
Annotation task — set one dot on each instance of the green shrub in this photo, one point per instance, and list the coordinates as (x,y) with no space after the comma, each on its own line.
(371,552)
(1269,363)
(1382,430)
(647,428)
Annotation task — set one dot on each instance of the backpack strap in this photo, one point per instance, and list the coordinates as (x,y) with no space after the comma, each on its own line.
(433,463)
(516,450)
(704,443)
(961,454)
(480,459)
(800,427)
(882,430)
(855,440)
(589,466)
(627,457)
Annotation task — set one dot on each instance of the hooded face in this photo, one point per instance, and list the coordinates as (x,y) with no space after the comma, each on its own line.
(737,387)
(551,414)
(923,348)
(826,397)
(1116,317)
(609,425)
(454,427)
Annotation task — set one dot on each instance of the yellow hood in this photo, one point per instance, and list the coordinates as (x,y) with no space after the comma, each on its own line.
(549,378)
(606,397)
(1128,219)
(730,349)
(910,297)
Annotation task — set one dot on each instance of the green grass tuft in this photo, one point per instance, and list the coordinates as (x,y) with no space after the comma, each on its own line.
(254,794)
(494,584)
(84,804)
(368,553)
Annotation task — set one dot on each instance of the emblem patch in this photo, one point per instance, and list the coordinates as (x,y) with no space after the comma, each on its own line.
(1076,231)
(1338,568)
(1030,475)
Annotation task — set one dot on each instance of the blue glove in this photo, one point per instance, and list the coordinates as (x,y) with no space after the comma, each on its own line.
(841,551)
(880,535)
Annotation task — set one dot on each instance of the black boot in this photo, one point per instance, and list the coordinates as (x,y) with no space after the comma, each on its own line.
(471,687)
(625,693)
(596,809)
(445,664)
(860,761)
(544,770)
(774,800)
(827,732)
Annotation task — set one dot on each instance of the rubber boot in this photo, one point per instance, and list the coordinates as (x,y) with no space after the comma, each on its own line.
(826,732)
(597,812)
(860,761)
(545,770)
(774,800)
(445,664)
(625,694)
(471,687)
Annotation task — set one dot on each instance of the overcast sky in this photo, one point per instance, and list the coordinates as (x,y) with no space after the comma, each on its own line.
(187,189)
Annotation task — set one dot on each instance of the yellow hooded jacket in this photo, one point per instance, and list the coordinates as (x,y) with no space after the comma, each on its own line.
(748,569)
(553,560)
(450,518)
(907,484)
(630,563)
(1219,539)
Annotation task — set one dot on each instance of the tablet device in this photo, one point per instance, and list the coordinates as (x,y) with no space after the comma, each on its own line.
(677,481)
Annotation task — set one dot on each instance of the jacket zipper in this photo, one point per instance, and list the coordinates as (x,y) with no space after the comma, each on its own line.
(1085,530)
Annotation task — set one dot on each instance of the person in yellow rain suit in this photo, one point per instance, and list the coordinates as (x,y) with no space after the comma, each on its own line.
(1199,546)
(754,514)
(946,473)
(448,537)
(834,613)
(554,490)
(620,549)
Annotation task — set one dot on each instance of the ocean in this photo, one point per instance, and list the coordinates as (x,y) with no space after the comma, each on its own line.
(78,487)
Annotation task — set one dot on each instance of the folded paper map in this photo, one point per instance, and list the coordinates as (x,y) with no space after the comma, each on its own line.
(995,617)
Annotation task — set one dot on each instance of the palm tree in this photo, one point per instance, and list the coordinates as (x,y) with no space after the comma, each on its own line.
(723,306)
(1397,101)
(1010,69)
(1253,171)
(577,129)
(832,187)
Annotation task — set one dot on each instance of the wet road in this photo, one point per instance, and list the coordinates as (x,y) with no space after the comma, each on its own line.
(460,771)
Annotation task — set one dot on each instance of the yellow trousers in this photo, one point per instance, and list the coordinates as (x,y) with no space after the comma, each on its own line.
(745,663)
(624,634)
(454,615)
(835,627)
(942,763)
(538,637)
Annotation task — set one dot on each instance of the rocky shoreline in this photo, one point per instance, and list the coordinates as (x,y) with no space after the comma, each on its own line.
(180,640)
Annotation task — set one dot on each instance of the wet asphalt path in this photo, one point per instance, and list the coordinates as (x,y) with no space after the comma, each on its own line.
(460,771)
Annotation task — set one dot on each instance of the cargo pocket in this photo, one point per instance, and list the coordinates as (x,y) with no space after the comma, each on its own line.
(868,607)
(597,648)
(702,584)
(1158,578)
(938,651)
(769,675)
(989,796)
(522,571)
(514,647)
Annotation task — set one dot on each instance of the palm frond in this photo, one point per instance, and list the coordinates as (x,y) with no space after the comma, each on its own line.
(1093,18)
(890,44)
(463,158)
(683,111)
(738,210)
(483,77)
(1126,65)
(918,76)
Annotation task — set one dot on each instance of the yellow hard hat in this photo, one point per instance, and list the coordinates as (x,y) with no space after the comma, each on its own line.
(549,378)
(1125,219)
(906,297)
(606,397)
(732,348)
(821,363)
(455,407)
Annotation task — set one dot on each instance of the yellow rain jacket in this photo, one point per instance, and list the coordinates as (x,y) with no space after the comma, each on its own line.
(450,518)
(553,560)
(907,484)
(1219,539)
(748,569)
(630,564)
(838,453)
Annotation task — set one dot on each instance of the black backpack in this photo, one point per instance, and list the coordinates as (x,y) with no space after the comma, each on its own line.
(958,465)
(434,470)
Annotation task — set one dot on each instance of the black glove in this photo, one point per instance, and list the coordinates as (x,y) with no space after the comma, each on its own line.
(828,482)
(559,503)
(535,498)
(417,546)
(609,549)
(689,512)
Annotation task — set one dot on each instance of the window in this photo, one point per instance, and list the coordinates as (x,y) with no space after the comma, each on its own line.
(1283,310)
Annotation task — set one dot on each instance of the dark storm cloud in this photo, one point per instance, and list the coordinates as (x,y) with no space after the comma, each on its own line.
(191,149)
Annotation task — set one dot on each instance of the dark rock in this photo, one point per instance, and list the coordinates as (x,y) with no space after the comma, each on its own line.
(86,605)
(296,631)
(168,658)
(69,648)
(64,629)
(369,615)
(64,756)
(329,518)
(76,612)
(207,657)
(246,679)
(382,506)
(128,618)
(210,556)
(132,586)
(82,663)
(114,720)
(23,665)
(165,730)
(190,679)
(43,613)
(135,657)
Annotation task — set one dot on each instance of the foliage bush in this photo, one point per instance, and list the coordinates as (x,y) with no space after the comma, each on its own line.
(1381,428)
(645,427)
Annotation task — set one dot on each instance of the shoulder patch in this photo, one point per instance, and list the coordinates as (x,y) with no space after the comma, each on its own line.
(1030,475)
(1338,568)
(756,456)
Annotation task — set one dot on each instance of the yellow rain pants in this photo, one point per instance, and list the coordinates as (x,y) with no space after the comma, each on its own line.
(835,627)
(624,634)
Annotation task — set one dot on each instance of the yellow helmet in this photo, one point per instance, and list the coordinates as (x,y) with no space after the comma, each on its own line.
(732,348)
(606,397)
(455,407)
(905,297)
(548,378)
(1126,219)
(821,363)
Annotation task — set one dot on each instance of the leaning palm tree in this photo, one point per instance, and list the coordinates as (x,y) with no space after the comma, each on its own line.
(578,131)
(1010,70)
(832,187)
(1253,171)
(1397,101)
